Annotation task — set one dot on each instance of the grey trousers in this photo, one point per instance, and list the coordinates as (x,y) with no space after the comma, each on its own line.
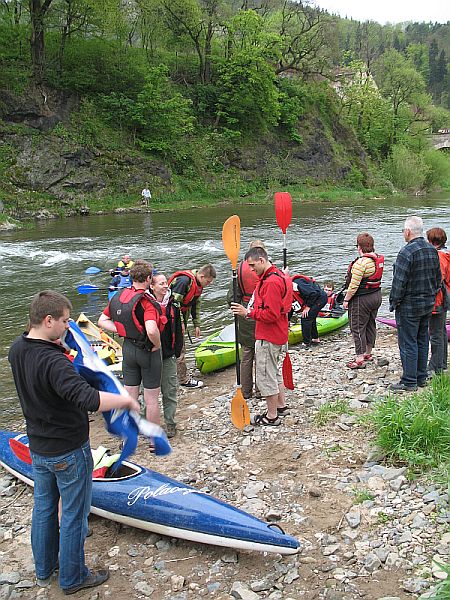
(362,311)
(438,341)
(169,389)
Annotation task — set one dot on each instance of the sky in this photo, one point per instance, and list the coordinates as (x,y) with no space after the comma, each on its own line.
(389,11)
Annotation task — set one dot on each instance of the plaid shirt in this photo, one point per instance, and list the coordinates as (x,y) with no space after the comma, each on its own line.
(417,278)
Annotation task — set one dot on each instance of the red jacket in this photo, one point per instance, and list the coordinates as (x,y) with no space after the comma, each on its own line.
(269,307)
(444,261)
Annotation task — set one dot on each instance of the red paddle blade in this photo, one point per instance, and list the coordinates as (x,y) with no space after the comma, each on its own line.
(21,450)
(283,210)
(288,379)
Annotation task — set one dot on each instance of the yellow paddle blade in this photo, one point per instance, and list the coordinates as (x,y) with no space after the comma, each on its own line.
(231,239)
(240,415)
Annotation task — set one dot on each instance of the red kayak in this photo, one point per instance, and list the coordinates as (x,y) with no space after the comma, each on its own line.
(392,323)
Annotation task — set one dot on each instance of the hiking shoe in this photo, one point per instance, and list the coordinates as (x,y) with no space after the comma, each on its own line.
(283,411)
(401,387)
(193,383)
(263,419)
(94,579)
(47,581)
(171,430)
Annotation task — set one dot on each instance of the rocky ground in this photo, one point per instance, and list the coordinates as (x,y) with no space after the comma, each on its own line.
(366,530)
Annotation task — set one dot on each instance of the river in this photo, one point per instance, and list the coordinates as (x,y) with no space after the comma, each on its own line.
(320,241)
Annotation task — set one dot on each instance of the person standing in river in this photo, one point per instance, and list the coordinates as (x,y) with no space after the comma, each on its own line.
(55,401)
(363,298)
(417,279)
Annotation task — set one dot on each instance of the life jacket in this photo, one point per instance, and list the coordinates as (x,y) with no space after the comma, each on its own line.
(125,281)
(287,296)
(121,264)
(444,262)
(329,305)
(172,334)
(298,303)
(247,281)
(368,284)
(195,290)
(128,315)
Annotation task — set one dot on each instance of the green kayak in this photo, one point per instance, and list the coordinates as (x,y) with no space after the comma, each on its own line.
(218,350)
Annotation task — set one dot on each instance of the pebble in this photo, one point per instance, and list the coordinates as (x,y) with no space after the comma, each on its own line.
(242,592)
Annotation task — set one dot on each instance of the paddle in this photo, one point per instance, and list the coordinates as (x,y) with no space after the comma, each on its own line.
(89,289)
(231,239)
(283,213)
(21,450)
(94,271)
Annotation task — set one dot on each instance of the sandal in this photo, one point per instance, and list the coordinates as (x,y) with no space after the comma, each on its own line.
(368,357)
(354,364)
(264,420)
(283,411)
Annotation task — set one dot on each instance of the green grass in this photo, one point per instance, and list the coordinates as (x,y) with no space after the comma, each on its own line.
(415,429)
(330,410)
(360,495)
(442,591)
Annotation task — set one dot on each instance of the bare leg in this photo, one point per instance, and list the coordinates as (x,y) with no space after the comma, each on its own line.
(272,403)
(133,390)
(151,405)
(281,401)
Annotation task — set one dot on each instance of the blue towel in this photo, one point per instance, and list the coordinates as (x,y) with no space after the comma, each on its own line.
(123,423)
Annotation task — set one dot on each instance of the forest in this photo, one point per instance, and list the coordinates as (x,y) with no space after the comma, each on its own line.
(197,84)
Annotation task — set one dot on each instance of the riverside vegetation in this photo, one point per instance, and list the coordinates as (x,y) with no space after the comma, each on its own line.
(208,101)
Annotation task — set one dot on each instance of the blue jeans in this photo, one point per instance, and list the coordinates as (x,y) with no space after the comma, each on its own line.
(68,476)
(413,342)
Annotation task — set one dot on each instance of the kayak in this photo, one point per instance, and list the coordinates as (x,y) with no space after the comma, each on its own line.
(392,323)
(106,347)
(149,500)
(218,350)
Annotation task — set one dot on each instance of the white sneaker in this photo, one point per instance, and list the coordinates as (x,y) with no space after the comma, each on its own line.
(193,383)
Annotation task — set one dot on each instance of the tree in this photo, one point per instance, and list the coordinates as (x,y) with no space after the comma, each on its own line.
(38,12)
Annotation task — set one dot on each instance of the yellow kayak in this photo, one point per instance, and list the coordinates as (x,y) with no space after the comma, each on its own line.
(106,347)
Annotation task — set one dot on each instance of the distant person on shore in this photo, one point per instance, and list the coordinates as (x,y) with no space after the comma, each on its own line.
(134,315)
(363,298)
(146,195)
(417,279)
(247,281)
(187,287)
(438,330)
(269,307)
(55,401)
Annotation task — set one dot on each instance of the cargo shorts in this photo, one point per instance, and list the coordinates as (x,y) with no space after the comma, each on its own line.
(268,366)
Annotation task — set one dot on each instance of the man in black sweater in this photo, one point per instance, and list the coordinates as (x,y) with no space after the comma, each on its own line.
(55,401)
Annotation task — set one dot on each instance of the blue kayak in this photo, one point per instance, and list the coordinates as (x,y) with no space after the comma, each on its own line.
(143,498)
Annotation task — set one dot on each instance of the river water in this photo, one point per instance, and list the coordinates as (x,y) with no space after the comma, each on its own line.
(320,242)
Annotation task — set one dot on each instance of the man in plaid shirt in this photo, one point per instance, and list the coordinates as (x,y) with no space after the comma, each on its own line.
(417,279)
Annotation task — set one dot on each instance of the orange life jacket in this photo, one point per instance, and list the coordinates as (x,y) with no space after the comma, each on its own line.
(195,290)
(368,284)
(247,281)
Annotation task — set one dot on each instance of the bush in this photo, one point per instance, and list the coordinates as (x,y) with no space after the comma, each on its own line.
(406,170)
(438,165)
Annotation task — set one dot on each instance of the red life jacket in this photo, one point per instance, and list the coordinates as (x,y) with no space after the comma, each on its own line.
(287,297)
(444,261)
(296,296)
(128,316)
(368,284)
(193,292)
(328,306)
(247,281)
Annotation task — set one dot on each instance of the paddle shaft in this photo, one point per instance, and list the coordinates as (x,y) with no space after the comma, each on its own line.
(236,332)
(284,251)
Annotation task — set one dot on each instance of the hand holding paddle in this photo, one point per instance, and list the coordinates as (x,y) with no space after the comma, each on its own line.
(231,239)
(283,213)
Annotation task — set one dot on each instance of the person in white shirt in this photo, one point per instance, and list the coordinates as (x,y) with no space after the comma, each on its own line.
(146,196)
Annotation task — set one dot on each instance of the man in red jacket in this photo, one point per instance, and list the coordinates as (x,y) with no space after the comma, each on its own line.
(269,307)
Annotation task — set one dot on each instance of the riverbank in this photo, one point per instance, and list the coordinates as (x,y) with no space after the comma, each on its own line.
(367,529)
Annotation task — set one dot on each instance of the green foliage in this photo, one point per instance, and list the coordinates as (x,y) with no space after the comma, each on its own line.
(416,429)
(161,115)
(360,495)
(438,168)
(442,591)
(407,170)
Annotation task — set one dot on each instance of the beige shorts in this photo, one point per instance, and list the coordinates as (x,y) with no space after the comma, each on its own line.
(268,362)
